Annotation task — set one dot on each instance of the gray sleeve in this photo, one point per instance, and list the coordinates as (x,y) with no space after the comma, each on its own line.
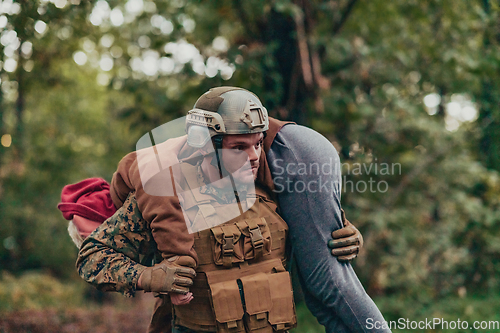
(306,174)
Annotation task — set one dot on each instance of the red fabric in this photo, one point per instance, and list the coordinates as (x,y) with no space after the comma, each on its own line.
(89,198)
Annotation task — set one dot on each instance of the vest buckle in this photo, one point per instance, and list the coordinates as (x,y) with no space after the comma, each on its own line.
(256,238)
(228,246)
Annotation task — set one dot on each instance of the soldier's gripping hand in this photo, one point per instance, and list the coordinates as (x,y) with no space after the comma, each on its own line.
(171,275)
(346,242)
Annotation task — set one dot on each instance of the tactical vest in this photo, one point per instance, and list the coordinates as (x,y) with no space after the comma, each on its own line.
(241,283)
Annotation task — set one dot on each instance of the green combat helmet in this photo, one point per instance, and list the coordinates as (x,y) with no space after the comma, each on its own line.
(225,110)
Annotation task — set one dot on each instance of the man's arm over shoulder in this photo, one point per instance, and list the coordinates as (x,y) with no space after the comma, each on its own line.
(110,257)
(155,196)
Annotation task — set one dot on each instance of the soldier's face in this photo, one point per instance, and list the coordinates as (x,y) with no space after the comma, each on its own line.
(241,154)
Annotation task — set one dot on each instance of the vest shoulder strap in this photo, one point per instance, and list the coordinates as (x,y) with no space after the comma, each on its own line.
(275,126)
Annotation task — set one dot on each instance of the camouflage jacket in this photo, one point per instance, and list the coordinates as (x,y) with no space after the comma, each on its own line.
(113,256)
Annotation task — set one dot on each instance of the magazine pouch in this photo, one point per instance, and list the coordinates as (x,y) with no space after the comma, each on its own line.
(227,306)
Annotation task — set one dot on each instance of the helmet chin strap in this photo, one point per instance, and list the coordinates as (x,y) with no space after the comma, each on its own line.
(218,146)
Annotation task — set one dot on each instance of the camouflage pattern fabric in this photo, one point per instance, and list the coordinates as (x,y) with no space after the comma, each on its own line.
(113,256)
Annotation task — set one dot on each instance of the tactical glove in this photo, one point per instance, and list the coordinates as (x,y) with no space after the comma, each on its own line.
(171,275)
(346,242)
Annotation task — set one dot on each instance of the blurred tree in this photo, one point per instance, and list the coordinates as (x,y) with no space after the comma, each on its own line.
(56,129)
(490,89)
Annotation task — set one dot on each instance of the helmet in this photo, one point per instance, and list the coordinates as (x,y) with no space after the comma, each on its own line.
(225,110)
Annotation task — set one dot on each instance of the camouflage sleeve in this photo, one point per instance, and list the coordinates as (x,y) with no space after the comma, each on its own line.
(110,257)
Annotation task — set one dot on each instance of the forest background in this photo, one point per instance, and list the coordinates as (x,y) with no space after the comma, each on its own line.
(415,84)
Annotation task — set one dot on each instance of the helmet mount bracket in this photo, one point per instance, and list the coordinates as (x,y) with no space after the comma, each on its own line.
(253,115)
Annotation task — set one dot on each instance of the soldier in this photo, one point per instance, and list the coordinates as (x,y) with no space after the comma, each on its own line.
(110,257)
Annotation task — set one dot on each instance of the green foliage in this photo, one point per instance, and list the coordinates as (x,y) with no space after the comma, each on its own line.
(306,323)
(68,136)
(36,291)
(466,308)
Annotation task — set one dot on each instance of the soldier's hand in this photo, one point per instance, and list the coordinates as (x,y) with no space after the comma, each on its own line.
(180,299)
(346,242)
(171,275)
